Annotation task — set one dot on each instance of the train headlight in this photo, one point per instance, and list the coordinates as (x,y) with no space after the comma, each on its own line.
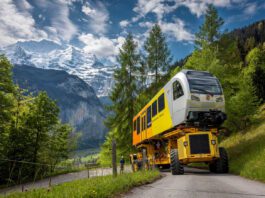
(195,98)
(185,143)
(213,142)
(220,99)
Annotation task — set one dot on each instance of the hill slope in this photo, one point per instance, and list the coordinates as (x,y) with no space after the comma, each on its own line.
(246,149)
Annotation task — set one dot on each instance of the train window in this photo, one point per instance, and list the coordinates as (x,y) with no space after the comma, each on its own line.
(177,90)
(142,124)
(154,108)
(134,125)
(145,122)
(161,103)
(149,117)
(138,125)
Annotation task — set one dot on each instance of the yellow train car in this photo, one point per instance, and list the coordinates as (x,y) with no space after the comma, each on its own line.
(152,119)
(179,125)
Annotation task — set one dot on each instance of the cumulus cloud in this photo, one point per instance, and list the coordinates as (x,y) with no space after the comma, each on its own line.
(17,25)
(101,46)
(124,23)
(98,17)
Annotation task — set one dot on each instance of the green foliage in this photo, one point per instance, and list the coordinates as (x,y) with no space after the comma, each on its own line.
(158,55)
(7,89)
(241,107)
(98,187)
(249,37)
(256,70)
(209,31)
(246,150)
(30,130)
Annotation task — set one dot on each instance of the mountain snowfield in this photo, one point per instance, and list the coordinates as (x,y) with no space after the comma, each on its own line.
(49,55)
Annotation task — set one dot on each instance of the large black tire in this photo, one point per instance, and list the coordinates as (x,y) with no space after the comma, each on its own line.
(176,167)
(220,165)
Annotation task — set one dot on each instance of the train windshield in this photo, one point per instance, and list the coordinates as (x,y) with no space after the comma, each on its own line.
(204,83)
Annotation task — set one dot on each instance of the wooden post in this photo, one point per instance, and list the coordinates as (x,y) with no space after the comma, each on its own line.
(114,164)
(88,170)
(144,164)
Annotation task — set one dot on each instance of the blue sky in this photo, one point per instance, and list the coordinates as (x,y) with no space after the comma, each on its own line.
(99,27)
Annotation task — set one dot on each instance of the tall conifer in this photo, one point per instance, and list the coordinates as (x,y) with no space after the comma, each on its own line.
(158,55)
(124,93)
(210,29)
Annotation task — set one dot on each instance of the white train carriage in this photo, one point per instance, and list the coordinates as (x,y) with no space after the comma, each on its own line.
(195,97)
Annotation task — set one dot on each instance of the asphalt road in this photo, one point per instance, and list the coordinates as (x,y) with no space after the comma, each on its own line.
(199,184)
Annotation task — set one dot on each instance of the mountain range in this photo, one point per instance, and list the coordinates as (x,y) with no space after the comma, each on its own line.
(50,55)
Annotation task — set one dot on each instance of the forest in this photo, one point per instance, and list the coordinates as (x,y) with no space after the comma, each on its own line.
(236,58)
(32,138)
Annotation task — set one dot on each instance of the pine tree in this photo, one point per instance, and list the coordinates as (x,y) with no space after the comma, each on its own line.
(158,55)
(124,94)
(210,29)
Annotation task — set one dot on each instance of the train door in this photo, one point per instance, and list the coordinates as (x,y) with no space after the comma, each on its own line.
(178,104)
(143,126)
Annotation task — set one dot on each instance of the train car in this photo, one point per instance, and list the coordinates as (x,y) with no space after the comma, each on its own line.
(193,98)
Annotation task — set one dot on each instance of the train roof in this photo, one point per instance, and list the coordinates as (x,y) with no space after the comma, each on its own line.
(190,72)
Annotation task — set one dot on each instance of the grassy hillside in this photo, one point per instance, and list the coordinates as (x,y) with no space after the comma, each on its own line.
(246,149)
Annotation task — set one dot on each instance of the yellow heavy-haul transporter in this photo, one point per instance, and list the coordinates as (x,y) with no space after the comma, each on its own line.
(180,125)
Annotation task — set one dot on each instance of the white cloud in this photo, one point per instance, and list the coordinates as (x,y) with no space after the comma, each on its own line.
(158,7)
(17,25)
(162,7)
(98,17)
(146,24)
(24,5)
(124,23)
(87,10)
(102,47)
(250,9)
(176,30)
(59,17)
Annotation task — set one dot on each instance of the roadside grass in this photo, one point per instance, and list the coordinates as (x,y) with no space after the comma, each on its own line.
(246,150)
(105,186)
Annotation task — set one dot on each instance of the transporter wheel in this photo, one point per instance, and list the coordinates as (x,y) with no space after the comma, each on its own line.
(220,165)
(176,166)
(212,167)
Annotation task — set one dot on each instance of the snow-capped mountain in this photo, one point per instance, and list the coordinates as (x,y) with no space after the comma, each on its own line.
(49,55)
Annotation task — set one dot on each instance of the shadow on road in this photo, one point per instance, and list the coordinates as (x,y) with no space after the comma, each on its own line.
(195,171)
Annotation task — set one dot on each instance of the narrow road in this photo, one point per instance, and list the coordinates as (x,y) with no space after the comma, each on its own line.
(44,183)
(197,183)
